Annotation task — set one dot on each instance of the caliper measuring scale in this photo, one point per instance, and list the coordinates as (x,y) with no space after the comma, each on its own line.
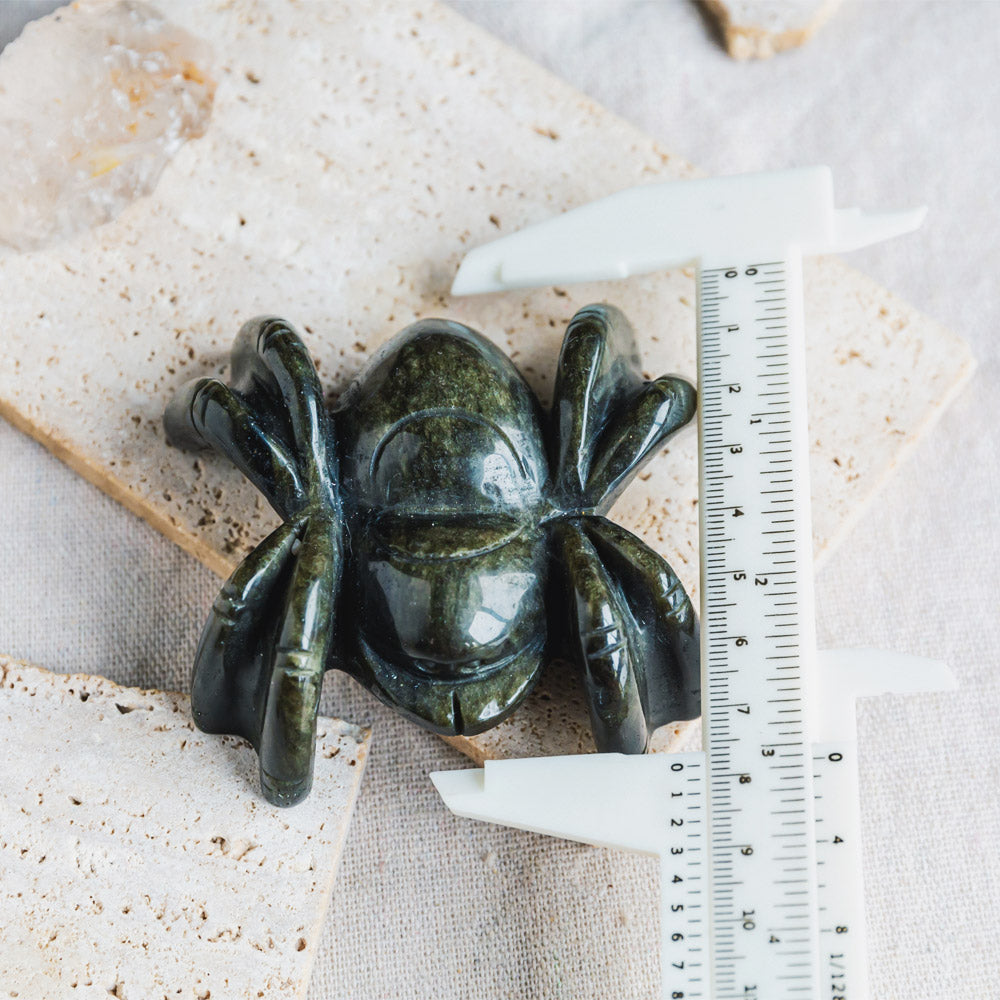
(758,639)
(759,834)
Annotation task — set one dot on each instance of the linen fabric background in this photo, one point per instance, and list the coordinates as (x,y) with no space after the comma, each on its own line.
(900,99)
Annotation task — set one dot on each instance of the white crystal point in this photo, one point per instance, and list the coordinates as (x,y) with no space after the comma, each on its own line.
(94,101)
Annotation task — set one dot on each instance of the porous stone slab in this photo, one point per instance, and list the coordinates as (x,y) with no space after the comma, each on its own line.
(758,29)
(138,859)
(354,154)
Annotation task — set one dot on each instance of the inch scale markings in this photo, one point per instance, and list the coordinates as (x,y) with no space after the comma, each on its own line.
(759,835)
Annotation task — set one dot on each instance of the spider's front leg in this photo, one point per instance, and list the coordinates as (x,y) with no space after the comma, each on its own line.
(259,667)
(608,421)
(298,658)
(206,413)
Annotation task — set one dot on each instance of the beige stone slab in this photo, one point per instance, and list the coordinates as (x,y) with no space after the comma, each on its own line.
(759,29)
(355,153)
(138,859)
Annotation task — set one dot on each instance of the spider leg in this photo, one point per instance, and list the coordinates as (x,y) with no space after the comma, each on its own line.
(607,420)
(298,655)
(605,644)
(229,664)
(598,366)
(666,626)
(259,667)
(634,433)
(207,413)
(263,652)
(272,368)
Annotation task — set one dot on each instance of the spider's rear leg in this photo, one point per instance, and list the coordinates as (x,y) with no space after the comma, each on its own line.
(598,367)
(226,684)
(666,628)
(605,644)
(205,413)
(259,667)
(607,420)
(298,656)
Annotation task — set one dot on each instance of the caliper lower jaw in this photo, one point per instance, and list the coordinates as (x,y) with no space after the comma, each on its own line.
(611,800)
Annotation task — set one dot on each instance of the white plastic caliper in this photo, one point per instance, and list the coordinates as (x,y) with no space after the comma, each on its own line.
(759,835)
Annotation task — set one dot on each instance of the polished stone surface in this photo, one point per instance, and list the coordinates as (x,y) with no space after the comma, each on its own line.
(443,538)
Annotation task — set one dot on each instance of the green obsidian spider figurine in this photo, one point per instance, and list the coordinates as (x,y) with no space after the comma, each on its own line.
(442,539)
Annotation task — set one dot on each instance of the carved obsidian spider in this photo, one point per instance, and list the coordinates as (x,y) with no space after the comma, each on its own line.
(442,538)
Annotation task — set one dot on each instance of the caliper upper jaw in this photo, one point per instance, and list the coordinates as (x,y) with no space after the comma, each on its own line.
(844,675)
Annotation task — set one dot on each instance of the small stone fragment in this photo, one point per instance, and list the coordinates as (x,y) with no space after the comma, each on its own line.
(757,29)
(95,99)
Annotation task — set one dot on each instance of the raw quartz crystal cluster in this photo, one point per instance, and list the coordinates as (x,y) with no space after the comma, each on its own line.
(90,115)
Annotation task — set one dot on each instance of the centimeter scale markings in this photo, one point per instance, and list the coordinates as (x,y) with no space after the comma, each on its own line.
(757,630)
